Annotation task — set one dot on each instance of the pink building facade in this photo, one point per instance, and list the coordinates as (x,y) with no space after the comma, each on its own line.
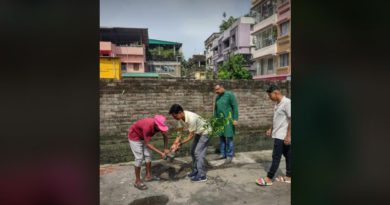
(133,58)
(128,44)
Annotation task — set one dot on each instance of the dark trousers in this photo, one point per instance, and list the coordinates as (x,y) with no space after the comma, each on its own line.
(279,149)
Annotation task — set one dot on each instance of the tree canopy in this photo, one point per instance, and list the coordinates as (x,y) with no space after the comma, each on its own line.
(233,68)
(227,23)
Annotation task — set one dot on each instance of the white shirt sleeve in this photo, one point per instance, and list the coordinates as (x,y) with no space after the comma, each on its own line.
(287,109)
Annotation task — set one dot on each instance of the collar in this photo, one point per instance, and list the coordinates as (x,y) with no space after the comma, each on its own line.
(222,93)
(281,101)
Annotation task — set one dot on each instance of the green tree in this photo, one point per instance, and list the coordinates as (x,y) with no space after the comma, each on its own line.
(163,52)
(209,74)
(184,68)
(233,68)
(249,14)
(227,23)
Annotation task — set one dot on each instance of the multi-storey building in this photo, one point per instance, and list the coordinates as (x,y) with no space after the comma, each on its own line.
(270,35)
(264,36)
(164,58)
(127,44)
(234,40)
(284,38)
(197,69)
(209,52)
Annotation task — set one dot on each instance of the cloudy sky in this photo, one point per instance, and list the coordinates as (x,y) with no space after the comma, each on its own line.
(186,21)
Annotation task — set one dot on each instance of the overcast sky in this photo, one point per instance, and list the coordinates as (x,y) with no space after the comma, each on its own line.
(186,21)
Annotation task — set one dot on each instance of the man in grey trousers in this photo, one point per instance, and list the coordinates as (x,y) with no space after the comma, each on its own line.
(195,125)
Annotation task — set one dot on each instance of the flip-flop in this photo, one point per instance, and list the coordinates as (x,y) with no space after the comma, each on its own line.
(261,182)
(282,179)
(141,186)
(154,178)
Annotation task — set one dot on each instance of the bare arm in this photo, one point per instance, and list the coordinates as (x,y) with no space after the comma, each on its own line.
(289,128)
(176,144)
(269,132)
(166,149)
(147,138)
(150,146)
(190,136)
(287,139)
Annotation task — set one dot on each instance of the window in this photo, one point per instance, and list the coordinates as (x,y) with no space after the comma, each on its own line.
(266,38)
(123,66)
(283,60)
(284,27)
(262,67)
(270,67)
(136,66)
(265,66)
(226,44)
(258,71)
(158,68)
(264,10)
(233,41)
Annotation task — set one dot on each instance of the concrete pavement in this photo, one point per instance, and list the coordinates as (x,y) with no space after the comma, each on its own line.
(226,184)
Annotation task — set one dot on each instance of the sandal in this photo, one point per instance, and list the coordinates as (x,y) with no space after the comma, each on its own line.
(141,186)
(283,179)
(154,178)
(261,182)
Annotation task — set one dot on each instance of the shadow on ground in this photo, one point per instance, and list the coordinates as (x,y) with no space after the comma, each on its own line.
(171,171)
(152,200)
(176,170)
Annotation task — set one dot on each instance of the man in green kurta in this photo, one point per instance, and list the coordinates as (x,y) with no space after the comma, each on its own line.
(226,103)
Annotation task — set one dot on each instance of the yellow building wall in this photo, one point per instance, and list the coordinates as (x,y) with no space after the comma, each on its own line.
(284,46)
(110,68)
(200,75)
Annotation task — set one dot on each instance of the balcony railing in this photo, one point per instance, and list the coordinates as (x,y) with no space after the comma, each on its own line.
(283,70)
(272,20)
(162,58)
(269,50)
(130,50)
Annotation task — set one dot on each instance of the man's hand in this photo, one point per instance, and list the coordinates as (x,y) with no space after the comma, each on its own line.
(287,140)
(268,133)
(163,155)
(175,147)
(235,122)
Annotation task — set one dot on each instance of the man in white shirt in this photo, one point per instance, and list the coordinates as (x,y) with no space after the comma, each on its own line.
(196,127)
(281,133)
